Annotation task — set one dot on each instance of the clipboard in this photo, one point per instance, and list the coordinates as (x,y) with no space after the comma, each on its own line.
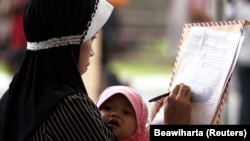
(203,48)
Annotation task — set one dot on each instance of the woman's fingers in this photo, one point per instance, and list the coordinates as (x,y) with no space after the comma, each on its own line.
(184,91)
(177,107)
(181,90)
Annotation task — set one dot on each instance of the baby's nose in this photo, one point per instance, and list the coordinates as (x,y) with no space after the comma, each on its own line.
(115,114)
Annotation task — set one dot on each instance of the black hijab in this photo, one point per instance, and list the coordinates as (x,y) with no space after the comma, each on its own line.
(54,30)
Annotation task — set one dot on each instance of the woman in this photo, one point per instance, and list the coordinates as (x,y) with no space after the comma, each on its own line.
(48,90)
(47,99)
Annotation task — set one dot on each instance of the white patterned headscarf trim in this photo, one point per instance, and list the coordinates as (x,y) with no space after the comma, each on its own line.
(100,17)
(55,42)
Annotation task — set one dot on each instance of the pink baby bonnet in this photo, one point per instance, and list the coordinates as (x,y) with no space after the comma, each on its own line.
(138,104)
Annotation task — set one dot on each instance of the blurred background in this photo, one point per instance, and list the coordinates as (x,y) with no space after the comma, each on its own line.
(137,46)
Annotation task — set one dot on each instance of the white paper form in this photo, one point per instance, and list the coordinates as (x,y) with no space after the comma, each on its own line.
(206,67)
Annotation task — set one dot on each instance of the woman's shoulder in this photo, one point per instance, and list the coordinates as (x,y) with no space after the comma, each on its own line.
(77,96)
(77,99)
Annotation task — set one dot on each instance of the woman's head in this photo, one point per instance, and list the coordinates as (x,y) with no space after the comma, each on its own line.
(123,109)
(50,24)
(56,32)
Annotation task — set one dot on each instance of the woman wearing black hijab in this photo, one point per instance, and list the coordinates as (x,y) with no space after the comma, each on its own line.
(47,99)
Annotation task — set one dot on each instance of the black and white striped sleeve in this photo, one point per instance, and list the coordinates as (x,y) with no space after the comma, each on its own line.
(76,118)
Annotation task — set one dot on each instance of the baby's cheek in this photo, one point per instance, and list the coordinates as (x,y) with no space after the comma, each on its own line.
(104,116)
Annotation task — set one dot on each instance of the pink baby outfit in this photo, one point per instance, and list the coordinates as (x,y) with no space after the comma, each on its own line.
(138,104)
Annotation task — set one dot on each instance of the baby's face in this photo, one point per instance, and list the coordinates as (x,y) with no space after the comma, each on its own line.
(119,114)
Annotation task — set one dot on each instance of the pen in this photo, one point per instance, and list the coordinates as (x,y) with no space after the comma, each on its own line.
(159,97)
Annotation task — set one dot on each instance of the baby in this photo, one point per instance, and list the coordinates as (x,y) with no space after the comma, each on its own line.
(124,110)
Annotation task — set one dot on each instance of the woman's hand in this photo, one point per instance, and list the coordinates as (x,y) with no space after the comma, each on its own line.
(177,106)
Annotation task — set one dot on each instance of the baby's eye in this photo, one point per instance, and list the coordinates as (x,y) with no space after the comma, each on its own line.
(107,108)
(126,112)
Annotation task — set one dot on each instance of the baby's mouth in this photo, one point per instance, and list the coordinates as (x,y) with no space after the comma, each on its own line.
(113,122)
